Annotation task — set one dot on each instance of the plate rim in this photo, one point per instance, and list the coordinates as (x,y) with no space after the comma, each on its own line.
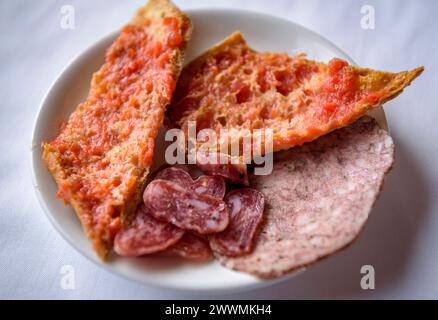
(257,282)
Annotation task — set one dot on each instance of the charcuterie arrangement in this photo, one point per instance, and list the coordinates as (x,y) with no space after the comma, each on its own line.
(329,157)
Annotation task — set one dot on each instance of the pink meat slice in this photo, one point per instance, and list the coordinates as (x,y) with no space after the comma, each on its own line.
(191,247)
(188,210)
(146,235)
(246,208)
(233,172)
(318,198)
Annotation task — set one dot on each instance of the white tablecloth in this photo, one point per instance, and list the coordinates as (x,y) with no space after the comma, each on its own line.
(401,238)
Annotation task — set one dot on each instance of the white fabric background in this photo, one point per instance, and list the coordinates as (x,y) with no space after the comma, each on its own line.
(401,238)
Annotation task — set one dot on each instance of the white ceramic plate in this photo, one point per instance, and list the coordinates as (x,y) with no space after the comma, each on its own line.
(264,33)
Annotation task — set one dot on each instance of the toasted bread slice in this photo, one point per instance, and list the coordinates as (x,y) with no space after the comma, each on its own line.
(101,158)
(231,86)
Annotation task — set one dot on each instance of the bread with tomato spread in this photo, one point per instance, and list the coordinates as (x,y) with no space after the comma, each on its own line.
(101,157)
(232,86)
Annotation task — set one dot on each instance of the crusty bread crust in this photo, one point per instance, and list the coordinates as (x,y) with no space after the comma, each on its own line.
(103,242)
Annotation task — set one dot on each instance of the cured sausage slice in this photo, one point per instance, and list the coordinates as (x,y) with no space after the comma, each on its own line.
(191,247)
(211,185)
(176,175)
(146,235)
(184,208)
(246,208)
(232,172)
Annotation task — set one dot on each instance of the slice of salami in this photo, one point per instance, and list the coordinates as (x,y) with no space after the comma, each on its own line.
(177,175)
(222,166)
(146,235)
(246,208)
(190,247)
(211,185)
(184,208)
